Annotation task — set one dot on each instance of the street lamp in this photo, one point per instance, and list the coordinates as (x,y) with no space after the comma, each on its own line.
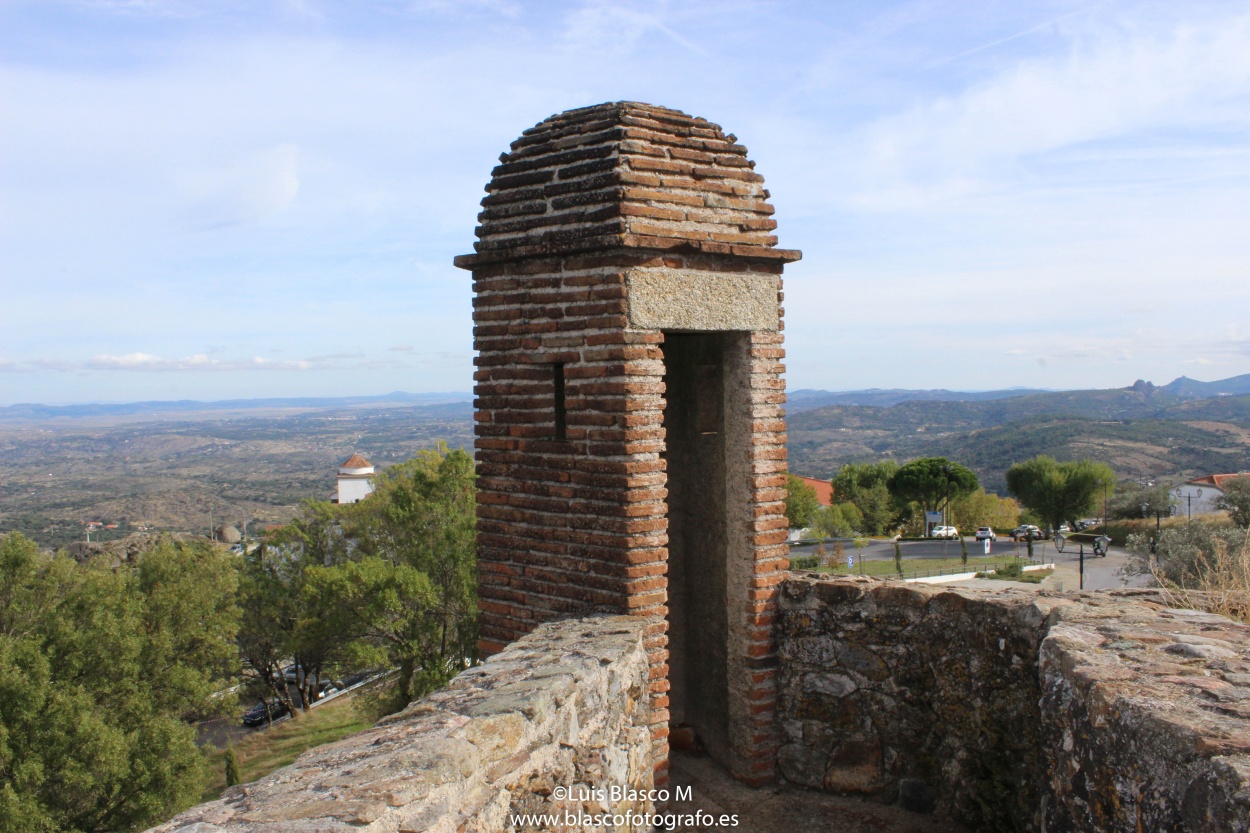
(1189,503)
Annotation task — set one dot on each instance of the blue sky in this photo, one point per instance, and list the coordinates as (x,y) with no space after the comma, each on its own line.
(238,199)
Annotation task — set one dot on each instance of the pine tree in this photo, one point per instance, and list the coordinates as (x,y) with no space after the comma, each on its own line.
(232,766)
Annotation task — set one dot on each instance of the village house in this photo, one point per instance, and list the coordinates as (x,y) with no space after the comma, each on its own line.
(355,480)
(1199,496)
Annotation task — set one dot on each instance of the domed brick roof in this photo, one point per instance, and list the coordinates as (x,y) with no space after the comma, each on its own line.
(625,174)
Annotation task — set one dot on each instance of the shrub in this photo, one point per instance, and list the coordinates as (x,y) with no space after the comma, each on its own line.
(232,766)
(1198,565)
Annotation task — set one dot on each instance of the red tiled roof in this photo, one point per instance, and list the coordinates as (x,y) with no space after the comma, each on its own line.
(356,462)
(824,489)
(1216,480)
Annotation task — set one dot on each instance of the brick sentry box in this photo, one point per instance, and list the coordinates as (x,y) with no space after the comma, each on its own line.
(630,423)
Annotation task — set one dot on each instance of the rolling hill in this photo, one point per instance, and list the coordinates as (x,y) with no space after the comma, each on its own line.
(1141,431)
(175,465)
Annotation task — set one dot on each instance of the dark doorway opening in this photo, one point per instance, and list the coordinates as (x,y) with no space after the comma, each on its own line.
(694,421)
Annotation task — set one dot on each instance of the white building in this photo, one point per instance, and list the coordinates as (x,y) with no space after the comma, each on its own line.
(1198,496)
(355,481)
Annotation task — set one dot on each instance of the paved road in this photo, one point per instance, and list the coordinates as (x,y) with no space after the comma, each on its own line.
(884,550)
(1100,573)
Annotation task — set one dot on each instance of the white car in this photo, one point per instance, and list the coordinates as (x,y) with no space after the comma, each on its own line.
(985,533)
(944,532)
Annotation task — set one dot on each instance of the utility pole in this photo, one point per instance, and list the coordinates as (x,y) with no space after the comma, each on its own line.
(1104,507)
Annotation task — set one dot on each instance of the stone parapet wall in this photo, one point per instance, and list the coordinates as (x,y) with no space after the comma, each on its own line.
(888,686)
(544,726)
(1017,710)
(1145,718)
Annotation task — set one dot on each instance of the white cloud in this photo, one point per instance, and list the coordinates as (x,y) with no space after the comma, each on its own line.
(203,362)
(1113,82)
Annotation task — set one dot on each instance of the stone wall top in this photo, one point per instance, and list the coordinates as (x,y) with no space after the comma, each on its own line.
(566,706)
(625,174)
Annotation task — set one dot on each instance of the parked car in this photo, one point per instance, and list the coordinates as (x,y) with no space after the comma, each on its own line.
(1025,532)
(944,532)
(258,715)
(985,533)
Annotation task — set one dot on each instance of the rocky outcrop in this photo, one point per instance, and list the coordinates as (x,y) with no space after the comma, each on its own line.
(546,726)
(1016,710)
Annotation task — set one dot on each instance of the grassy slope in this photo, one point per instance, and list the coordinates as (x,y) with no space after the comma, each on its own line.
(260,753)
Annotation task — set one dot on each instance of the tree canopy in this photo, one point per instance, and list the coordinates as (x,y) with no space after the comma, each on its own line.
(106,665)
(103,666)
(1060,492)
(983,509)
(1236,500)
(802,505)
(1130,496)
(931,482)
(866,487)
(854,479)
(407,595)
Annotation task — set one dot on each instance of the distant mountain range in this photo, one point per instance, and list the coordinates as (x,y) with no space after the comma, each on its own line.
(1184,387)
(797,400)
(184,407)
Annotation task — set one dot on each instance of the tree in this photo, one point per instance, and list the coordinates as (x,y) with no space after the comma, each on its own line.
(407,593)
(1236,499)
(1059,492)
(853,479)
(271,578)
(277,627)
(866,486)
(931,482)
(982,509)
(1131,496)
(102,667)
(838,521)
(801,503)
(232,766)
